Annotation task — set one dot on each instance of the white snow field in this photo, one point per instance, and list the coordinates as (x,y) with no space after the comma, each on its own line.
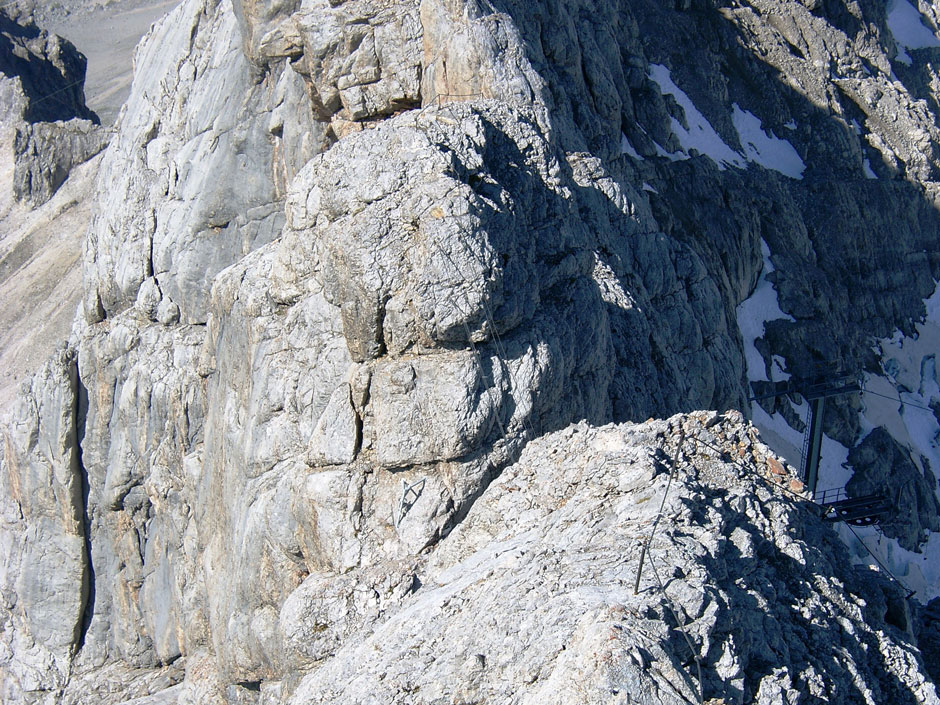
(769,151)
(760,147)
(907,25)
(700,136)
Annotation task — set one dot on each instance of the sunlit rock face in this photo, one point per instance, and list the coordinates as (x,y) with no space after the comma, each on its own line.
(356,268)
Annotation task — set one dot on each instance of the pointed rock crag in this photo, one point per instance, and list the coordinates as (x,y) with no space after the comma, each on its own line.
(44,113)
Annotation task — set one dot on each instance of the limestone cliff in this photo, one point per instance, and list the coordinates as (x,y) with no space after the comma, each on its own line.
(352,261)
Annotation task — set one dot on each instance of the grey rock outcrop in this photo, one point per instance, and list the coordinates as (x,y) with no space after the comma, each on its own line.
(47,68)
(336,437)
(928,628)
(883,465)
(46,119)
(192,178)
(147,586)
(45,153)
(45,578)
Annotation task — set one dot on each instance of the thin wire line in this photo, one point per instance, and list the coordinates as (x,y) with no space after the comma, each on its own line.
(682,630)
(898,399)
(487,312)
(662,588)
(500,350)
(491,319)
(880,564)
(55,93)
(748,470)
(800,497)
(662,505)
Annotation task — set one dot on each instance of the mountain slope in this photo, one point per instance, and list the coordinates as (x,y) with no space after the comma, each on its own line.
(350,262)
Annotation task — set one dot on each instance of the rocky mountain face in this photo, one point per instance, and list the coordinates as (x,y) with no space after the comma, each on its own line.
(353,271)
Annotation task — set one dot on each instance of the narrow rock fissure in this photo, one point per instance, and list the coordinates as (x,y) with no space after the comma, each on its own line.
(88,608)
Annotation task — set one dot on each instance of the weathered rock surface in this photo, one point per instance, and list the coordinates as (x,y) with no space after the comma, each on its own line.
(531,598)
(928,633)
(45,571)
(43,65)
(148,590)
(349,260)
(46,152)
(192,179)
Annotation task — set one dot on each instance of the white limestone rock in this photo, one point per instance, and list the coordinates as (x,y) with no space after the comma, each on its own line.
(190,182)
(362,58)
(429,409)
(302,476)
(531,598)
(45,572)
(148,298)
(337,434)
(168,312)
(141,451)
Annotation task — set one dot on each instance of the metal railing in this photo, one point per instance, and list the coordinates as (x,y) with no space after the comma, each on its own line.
(836,494)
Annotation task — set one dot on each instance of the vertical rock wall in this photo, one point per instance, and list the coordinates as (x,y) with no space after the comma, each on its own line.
(46,574)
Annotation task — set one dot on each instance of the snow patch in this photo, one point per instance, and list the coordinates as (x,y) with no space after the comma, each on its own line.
(753,313)
(907,25)
(919,572)
(778,434)
(834,472)
(869,172)
(765,149)
(760,147)
(933,307)
(626,147)
(700,136)
(899,400)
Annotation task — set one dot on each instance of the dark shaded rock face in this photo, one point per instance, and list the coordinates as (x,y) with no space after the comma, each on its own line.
(884,466)
(51,129)
(854,242)
(50,69)
(928,637)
